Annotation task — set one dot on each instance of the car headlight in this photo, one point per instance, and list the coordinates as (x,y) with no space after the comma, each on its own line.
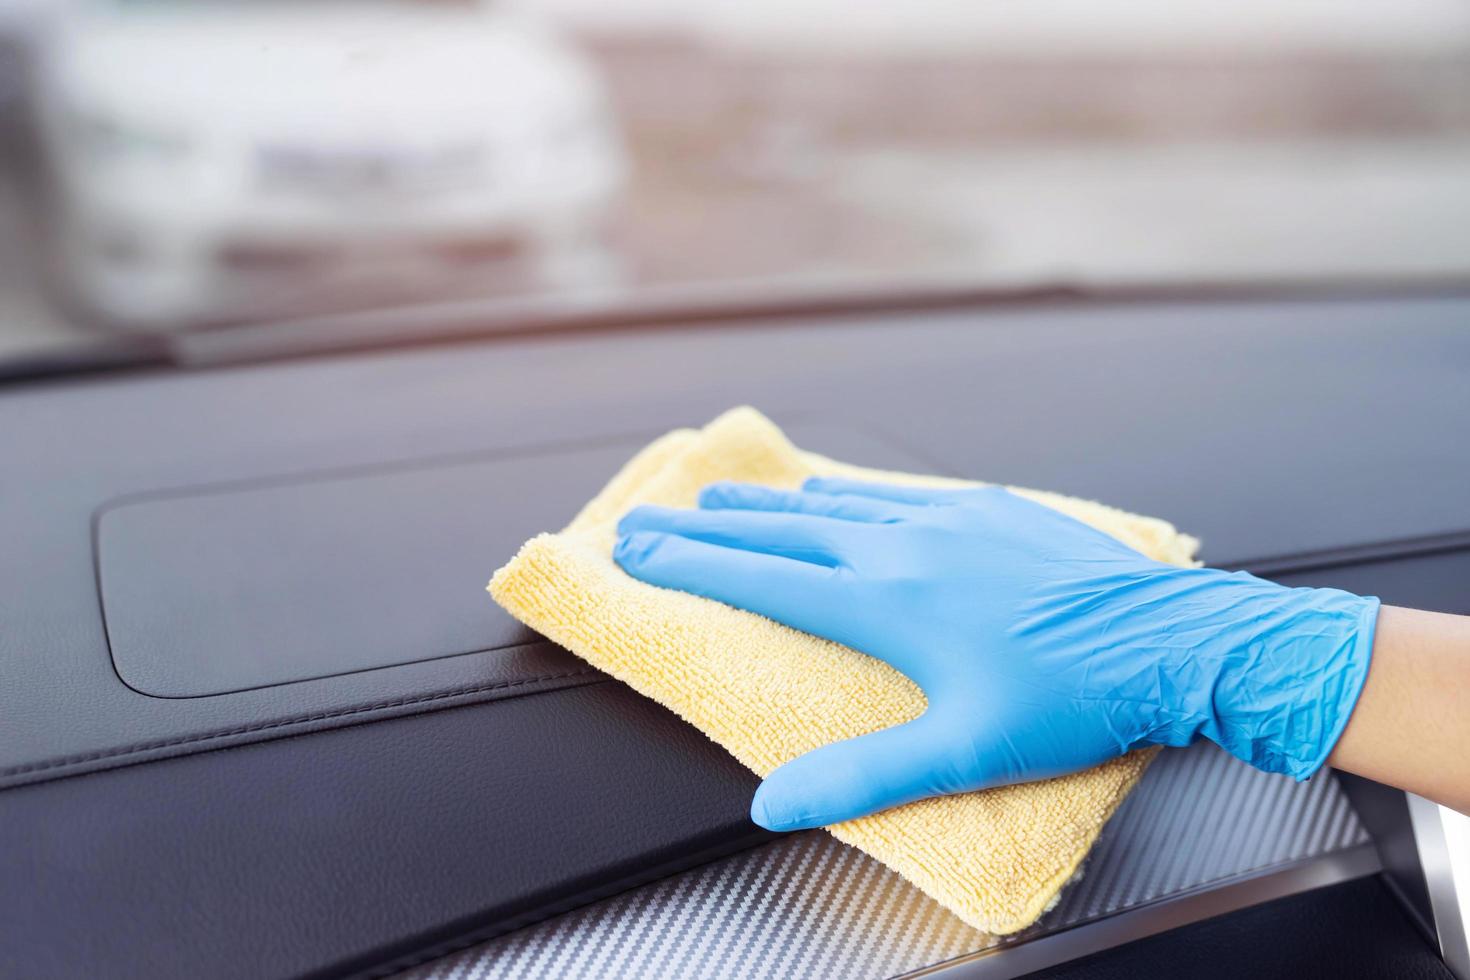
(113,141)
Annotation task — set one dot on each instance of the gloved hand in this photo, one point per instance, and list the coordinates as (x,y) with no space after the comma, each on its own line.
(1043,646)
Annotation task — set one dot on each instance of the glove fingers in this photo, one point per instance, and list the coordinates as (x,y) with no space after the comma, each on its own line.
(750,496)
(799,536)
(796,593)
(920,496)
(854,778)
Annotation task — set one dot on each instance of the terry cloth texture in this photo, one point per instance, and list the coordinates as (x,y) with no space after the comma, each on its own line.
(769,693)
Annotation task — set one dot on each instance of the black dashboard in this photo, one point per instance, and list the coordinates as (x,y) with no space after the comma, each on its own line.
(260,719)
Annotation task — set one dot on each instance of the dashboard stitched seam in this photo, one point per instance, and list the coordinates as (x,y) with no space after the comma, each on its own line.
(285,723)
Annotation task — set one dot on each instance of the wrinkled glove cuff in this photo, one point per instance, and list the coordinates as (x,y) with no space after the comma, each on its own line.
(1341,693)
(1298,661)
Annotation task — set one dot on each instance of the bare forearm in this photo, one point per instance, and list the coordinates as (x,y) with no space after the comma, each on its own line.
(1411,725)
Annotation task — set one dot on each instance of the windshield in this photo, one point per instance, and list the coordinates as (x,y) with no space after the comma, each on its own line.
(251,164)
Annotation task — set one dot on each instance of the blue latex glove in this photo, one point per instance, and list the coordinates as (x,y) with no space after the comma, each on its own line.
(1043,646)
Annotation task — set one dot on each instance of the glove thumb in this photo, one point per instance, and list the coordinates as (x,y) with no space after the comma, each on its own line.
(857,777)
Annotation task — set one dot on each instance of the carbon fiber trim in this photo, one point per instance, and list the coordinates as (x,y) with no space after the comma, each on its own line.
(807,906)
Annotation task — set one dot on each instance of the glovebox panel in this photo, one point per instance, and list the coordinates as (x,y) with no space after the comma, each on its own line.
(215,591)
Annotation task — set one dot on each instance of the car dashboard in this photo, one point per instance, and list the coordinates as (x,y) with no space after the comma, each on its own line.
(261,719)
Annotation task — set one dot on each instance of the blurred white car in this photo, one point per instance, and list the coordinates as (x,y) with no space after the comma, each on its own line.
(228,159)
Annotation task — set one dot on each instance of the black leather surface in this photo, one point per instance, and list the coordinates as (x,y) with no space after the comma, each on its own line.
(1268,429)
(1353,931)
(348,847)
(178,565)
(216,591)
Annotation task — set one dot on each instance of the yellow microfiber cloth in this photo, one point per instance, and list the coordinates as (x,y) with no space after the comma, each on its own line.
(768,693)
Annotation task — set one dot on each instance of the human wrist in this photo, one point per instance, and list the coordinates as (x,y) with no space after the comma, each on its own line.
(1409,728)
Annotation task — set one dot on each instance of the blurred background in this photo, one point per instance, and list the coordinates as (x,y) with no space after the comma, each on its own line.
(174,165)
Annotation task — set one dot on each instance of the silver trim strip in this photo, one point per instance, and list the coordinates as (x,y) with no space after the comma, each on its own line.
(1439,879)
(1195,905)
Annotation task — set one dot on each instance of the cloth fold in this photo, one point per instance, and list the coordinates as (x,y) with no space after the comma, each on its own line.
(768,693)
